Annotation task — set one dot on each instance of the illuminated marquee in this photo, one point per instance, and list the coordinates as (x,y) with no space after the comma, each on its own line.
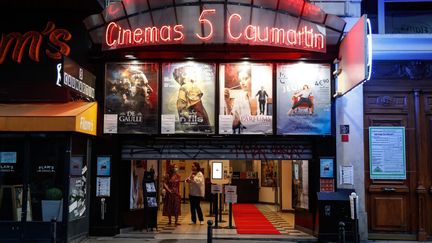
(304,37)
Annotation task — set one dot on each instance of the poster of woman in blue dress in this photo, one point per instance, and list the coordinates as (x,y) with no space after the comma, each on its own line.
(303,99)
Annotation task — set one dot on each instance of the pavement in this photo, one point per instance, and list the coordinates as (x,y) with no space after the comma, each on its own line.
(177,239)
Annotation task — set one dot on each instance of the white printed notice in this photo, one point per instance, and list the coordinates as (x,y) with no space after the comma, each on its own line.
(225,124)
(168,124)
(387,153)
(347,174)
(110,123)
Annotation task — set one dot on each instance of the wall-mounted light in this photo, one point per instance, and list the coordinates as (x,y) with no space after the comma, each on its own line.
(337,72)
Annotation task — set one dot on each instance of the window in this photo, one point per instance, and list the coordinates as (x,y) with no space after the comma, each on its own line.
(405,17)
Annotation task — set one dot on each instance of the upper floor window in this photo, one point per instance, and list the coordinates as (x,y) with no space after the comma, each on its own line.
(405,17)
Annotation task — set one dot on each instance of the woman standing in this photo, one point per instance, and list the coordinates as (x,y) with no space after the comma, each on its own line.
(196,192)
(172,198)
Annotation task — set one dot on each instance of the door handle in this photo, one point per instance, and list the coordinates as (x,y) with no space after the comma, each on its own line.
(388,189)
(103,208)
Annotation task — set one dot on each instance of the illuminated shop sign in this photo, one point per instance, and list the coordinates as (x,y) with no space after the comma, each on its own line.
(305,35)
(17,43)
(77,79)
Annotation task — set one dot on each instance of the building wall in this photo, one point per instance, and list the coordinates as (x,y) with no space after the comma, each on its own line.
(348,8)
(349,111)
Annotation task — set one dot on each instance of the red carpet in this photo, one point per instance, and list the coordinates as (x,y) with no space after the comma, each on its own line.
(249,220)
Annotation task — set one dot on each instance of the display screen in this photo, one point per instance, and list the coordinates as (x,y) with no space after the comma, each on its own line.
(217,170)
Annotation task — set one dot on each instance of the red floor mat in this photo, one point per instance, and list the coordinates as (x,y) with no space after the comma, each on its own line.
(249,220)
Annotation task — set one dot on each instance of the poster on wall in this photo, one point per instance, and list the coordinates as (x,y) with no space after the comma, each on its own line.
(136,200)
(103,186)
(8,157)
(103,166)
(131,96)
(301,184)
(77,198)
(303,99)
(269,173)
(326,168)
(8,161)
(387,153)
(76,165)
(246,102)
(188,94)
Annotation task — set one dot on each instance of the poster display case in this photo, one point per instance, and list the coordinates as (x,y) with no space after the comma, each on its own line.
(188,98)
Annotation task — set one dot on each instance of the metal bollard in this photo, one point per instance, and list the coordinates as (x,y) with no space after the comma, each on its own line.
(54,230)
(341,232)
(209,231)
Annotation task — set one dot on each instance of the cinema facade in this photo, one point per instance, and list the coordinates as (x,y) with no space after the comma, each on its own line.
(182,82)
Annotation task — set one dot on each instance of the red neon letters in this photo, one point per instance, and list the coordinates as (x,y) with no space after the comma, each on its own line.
(303,38)
(57,37)
(202,20)
(116,36)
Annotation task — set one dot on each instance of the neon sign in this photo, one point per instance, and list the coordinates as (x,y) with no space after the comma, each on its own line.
(57,37)
(309,36)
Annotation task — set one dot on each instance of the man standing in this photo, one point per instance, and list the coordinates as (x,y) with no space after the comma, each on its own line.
(262,94)
(196,192)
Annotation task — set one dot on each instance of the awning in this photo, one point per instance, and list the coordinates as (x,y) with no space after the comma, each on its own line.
(77,116)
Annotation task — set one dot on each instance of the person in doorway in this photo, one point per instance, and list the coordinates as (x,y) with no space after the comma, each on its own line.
(262,97)
(196,192)
(172,197)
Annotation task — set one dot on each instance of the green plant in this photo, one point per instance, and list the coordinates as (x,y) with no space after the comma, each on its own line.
(53,193)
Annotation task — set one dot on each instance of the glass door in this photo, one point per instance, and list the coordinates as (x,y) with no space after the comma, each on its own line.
(11,187)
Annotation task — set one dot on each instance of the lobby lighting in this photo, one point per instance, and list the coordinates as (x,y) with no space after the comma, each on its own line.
(130,56)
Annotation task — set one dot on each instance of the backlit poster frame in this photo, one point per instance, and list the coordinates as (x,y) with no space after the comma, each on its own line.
(246,98)
(303,99)
(131,97)
(188,98)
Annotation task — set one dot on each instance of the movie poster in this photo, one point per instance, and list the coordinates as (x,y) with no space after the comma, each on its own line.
(246,105)
(303,99)
(188,98)
(131,98)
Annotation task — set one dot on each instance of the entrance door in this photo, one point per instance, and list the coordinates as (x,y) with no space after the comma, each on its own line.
(428,159)
(11,189)
(400,206)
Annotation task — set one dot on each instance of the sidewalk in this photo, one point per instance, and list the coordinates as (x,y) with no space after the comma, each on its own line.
(282,240)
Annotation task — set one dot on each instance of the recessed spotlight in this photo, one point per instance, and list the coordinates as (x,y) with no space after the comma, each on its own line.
(130,56)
